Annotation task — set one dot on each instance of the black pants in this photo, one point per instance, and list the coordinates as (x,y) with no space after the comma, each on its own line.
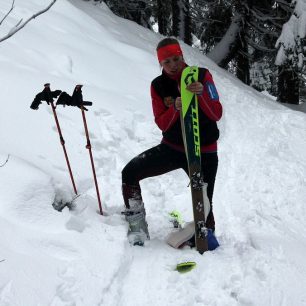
(162,159)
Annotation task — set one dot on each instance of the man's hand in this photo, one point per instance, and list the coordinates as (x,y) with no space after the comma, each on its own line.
(196,87)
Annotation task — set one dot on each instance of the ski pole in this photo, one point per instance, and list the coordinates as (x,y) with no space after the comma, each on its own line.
(88,146)
(48,95)
(63,145)
(77,97)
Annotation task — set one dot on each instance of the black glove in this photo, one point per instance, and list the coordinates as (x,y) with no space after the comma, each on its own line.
(36,102)
(46,95)
(56,93)
(75,100)
(64,99)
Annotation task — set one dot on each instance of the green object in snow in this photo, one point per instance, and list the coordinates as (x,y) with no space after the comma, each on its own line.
(177,218)
(185,267)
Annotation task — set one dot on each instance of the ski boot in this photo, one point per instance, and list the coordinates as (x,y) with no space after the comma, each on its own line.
(138,228)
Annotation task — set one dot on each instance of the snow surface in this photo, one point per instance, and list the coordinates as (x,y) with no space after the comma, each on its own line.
(77,257)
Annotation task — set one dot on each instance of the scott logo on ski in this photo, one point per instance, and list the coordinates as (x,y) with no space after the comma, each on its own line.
(190,76)
(192,103)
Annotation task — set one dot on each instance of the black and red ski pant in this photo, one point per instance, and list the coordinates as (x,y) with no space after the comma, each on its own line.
(162,159)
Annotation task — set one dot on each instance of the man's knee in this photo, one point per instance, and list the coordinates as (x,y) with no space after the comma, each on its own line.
(130,172)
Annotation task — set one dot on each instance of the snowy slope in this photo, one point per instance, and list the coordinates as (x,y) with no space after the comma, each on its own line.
(77,257)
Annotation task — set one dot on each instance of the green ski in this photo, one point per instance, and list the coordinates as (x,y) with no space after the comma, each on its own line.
(191,136)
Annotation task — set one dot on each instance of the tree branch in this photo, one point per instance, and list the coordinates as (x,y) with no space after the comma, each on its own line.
(259,47)
(8,12)
(21,24)
(284,3)
(8,157)
(261,29)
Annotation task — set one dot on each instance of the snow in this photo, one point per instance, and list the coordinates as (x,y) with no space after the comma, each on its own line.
(78,257)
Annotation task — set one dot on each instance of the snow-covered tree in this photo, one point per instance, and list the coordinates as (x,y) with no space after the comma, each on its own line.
(233,45)
(139,11)
(291,41)
(291,54)
(181,20)
(162,13)
(249,41)
(211,20)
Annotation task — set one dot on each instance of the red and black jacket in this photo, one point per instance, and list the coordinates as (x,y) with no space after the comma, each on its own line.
(164,91)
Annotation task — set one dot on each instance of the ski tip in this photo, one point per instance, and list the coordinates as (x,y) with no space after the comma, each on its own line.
(185,267)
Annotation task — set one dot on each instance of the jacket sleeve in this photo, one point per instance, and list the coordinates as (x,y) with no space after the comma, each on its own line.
(209,100)
(165,117)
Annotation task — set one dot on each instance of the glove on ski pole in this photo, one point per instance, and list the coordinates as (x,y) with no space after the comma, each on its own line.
(47,95)
(65,99)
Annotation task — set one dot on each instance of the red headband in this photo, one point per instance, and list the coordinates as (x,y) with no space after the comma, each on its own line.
(168,51)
